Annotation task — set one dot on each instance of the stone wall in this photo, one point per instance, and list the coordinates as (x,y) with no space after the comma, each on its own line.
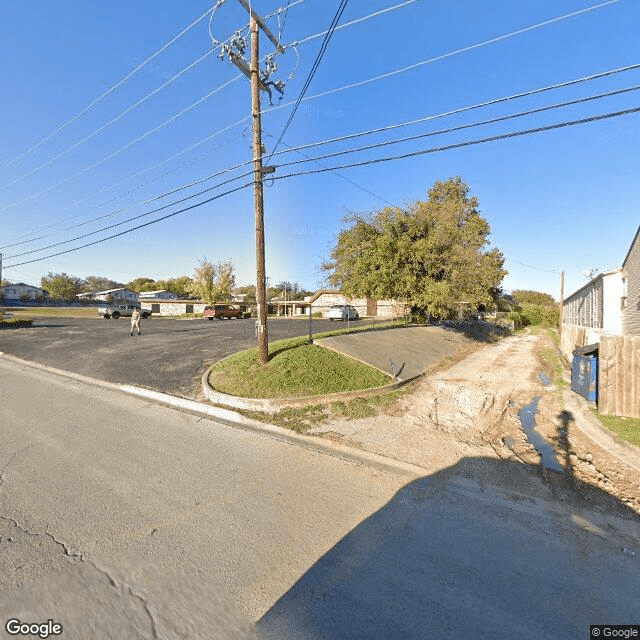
(173,307)
(385,308)
(392,309)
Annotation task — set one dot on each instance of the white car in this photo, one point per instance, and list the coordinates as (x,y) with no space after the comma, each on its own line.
(342,312)
(117,309)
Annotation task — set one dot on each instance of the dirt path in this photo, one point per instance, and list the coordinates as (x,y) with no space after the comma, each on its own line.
(468,416)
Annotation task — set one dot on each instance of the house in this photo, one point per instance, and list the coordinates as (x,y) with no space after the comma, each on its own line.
(280,306)
(608,305)
(22,291)
(597,306)
(110,295)
(630,299)
(324,299)
(162,294)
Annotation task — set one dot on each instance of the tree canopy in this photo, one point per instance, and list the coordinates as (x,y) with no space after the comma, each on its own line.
(525,296)
(433,255)
(62,286)
(214,282)
(99,283)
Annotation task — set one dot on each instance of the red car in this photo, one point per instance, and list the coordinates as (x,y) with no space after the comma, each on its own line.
(221,311)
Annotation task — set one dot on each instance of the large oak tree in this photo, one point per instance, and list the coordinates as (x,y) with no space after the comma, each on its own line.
(434,255)
(62,286)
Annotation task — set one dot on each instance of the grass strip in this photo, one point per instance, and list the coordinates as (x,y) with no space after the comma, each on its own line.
(15,322)
(295,369)
(625,428)
(61,312)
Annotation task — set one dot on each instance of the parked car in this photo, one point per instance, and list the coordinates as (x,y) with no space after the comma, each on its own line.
(342,312)
(221,311)
(117,309)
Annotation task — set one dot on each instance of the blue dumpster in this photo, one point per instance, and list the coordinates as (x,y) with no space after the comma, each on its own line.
(584,372)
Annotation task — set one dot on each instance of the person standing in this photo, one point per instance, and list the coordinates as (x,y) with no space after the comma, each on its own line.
(135,321)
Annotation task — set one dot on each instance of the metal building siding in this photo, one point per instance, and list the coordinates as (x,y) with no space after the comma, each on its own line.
(631,312)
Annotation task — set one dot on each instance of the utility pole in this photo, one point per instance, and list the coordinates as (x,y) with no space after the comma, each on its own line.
(261,288)
(258,84)
(561,305)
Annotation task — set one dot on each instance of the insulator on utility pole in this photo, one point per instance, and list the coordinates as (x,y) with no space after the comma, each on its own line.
(259,82)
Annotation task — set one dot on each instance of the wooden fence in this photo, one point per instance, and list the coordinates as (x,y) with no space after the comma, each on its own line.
(619,376)
(572,336)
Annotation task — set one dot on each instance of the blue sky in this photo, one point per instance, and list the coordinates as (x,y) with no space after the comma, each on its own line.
(563,199)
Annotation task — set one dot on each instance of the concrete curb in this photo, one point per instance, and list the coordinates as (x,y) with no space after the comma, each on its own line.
(233,419)
(273,405)
(596,431)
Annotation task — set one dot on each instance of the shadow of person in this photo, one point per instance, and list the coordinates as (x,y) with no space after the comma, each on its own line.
(565,418)
(479,550)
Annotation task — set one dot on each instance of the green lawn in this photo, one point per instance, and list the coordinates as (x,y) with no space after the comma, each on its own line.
(61,312)
(626,428)
(295,369)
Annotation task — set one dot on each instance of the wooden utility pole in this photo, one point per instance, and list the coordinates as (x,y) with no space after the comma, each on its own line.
(261,289)
(561,304)
(258,171)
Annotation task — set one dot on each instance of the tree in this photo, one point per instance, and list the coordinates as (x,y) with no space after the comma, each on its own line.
(525,296)
(432,256)
(62,286)
(213,282)
(249,291)
(98,283)
(181,286)
(142,284)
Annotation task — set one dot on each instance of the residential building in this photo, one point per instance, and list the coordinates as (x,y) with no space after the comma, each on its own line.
(597,306)
(607,305)
(324,299)
(110,295)
(21,291)
(630,303)
(610,303)
(162,294)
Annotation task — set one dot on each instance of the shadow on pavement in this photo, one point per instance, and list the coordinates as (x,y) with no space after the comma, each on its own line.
(452,557)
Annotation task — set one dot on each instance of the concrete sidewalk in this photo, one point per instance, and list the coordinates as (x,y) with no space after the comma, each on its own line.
(411,350)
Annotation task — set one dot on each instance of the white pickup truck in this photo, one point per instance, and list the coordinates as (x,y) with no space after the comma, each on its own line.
(116,309)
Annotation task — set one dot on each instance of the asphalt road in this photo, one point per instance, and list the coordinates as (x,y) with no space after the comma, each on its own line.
(170,355)
(120,518)
(125,519)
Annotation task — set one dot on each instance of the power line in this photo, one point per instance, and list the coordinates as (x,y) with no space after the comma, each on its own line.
(349,180)
(119,196)
(458,145)
(352,22)
(123,113)
(314,68)
(478,105)
(121,149)
(142,215)
(359,164)
(455,52)
(146,224)
(390,127)
(107,124)
(133,142)
(532,267)
(106,93)
(467,126)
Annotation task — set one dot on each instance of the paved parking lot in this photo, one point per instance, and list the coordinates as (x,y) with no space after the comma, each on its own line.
(170,355)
